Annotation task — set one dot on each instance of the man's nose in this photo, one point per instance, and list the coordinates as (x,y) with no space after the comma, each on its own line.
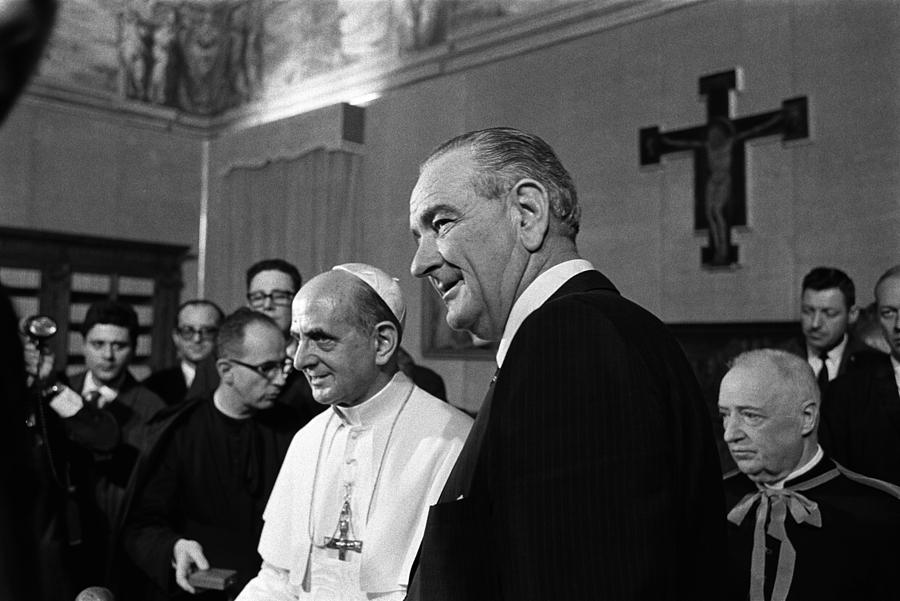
(732,431)
(426,259)
(818,318)
(302,358)
(268,303)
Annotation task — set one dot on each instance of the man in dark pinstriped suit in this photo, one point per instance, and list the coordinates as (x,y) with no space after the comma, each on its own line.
(591,471)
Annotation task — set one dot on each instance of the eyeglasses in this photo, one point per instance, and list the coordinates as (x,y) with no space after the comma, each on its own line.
(188,332)
(268,369)
(278,297)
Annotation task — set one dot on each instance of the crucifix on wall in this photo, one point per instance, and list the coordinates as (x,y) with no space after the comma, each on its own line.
(720,199)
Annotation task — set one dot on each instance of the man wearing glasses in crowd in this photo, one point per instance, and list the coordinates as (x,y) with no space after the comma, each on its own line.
(201,494)
(195,340)
(271,286)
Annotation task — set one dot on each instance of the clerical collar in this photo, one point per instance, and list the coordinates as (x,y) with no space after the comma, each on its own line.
(535,295)
(107,393)
(189,371)
(382,406)
(800,470)
(217,401)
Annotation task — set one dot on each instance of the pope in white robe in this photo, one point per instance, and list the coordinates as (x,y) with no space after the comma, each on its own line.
(347,513)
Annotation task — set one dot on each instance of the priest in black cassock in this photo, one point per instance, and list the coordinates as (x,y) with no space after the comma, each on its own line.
(201,495)
(800,525)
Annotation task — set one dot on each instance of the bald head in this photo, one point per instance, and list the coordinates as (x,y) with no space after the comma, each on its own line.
(347,338)
(769,403)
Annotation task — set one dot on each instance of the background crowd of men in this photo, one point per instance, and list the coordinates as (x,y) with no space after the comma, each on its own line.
(289,448)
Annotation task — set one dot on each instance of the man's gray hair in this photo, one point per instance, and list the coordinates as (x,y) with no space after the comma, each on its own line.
(794,374)
(504,155)
(893,272)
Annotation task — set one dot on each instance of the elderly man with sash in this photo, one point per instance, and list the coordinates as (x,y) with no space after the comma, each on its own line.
(800,525)
(348,510)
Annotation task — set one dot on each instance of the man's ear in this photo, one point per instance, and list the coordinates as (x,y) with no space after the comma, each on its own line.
(853,314)
(809,415)
(531,206)
(387,339)
(224,367)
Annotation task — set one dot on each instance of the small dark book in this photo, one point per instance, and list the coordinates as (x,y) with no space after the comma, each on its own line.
(215,579)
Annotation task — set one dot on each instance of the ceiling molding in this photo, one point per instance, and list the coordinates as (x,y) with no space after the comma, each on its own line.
(82,101)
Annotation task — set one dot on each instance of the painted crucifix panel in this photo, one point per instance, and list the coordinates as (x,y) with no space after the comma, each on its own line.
(717,146)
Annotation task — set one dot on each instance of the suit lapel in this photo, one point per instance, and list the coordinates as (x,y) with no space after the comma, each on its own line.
(77,382)
(459,482)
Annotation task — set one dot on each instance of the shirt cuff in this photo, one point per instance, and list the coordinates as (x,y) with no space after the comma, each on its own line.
(67,403)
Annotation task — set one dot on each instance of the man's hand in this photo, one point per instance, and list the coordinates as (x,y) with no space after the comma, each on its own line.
(33,357)
(188,557)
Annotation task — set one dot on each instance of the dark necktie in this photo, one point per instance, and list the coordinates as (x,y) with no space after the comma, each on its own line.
(822,378)
(92,398)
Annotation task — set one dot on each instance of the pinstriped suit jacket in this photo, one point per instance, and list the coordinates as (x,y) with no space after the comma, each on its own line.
(591,474)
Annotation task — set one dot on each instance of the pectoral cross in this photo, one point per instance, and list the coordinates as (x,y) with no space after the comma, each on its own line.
(341,539)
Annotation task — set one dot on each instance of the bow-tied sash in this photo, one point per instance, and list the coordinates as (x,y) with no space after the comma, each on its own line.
(774,505)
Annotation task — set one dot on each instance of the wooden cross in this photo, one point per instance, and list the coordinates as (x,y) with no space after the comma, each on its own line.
(720,199)
(342,542)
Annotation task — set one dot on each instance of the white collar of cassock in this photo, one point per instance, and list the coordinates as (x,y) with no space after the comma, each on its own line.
(416,465)
(800,470)
(382,406)
(107,394)
(535,295)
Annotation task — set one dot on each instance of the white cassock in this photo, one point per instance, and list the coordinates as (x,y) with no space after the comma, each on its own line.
(388,458)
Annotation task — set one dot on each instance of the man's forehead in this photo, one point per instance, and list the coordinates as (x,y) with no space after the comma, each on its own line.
(202,313)
(448,172)
(262,339)
(313,310)
(107,331)
(271,279)
(745,385)
(828,297)
(888,292)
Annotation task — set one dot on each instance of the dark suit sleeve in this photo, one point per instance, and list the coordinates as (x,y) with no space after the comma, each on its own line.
(149,534)
(584,457)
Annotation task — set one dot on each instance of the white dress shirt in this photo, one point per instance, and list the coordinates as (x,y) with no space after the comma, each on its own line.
(833,361)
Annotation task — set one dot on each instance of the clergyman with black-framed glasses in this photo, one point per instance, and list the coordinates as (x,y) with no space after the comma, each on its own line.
(201,494)
(271,286)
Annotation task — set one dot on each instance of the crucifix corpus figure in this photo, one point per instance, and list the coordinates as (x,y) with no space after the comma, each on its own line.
(719,164)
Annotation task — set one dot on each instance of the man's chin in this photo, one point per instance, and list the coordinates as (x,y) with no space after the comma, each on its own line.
(463,323)
(322,397)
(106,377)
